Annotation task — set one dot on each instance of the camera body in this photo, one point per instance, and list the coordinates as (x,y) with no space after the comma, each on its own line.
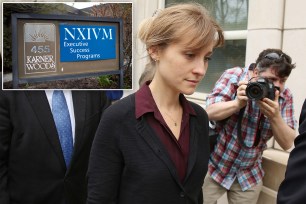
(262,88)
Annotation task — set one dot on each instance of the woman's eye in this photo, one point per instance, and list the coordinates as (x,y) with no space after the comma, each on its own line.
(190,55)
(207,59)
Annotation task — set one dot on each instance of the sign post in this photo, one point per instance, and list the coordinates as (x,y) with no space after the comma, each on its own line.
(39,48)
(54,47)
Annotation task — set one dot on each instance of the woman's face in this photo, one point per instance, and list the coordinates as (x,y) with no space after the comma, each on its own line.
(181,68)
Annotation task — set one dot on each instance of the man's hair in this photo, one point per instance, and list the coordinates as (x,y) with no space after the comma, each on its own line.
(280,61)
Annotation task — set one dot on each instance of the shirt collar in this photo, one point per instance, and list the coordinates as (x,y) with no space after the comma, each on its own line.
(144,102)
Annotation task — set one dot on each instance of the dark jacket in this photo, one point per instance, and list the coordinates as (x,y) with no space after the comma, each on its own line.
(32,167)
(293,189)
(129,164)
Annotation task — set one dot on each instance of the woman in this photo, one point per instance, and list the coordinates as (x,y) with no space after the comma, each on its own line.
(152,146)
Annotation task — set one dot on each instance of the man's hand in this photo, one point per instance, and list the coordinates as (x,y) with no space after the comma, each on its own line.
(241,94)
(282,133)
(270,108)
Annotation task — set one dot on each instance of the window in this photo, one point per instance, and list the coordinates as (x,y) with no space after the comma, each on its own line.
(232,15)
(232,54)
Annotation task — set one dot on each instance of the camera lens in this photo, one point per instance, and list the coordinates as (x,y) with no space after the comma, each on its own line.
(255,91)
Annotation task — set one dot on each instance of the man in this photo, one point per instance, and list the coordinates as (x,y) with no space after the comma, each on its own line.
(35,165)
(292,189)
(245,125)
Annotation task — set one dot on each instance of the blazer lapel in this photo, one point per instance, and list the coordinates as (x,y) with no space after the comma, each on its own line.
(79,106)
(41,107)
(150,137)
(193,146)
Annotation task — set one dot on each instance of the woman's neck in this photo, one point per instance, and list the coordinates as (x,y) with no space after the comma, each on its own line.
(168,104)
(164,96)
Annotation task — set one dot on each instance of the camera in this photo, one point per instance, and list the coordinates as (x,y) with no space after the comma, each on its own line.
(262,88)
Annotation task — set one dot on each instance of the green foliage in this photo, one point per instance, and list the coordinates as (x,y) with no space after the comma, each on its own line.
(105,81)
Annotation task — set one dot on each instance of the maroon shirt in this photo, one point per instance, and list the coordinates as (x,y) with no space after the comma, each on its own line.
(178,149)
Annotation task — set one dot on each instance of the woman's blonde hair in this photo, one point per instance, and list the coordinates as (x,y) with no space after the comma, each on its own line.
(172,23)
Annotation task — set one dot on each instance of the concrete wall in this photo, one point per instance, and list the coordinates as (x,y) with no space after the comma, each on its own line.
(294,40)
(280,24)
(142,9)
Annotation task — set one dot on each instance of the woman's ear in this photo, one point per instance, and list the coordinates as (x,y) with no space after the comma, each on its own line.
(154,52)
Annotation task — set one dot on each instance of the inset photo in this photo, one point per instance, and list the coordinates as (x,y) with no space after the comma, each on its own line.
(79,45)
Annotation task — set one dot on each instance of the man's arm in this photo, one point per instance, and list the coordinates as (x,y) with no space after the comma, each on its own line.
(282,132)
(221,110)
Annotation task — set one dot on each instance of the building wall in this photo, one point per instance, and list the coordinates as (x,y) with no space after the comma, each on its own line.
(279,24)
(294,40)
(142,9)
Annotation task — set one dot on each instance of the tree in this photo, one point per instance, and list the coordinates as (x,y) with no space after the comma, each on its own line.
(123,11)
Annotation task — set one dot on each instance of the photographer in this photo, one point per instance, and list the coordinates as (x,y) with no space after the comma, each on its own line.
(245,121)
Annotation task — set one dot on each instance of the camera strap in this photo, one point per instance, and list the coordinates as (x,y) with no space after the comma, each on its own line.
(240,139)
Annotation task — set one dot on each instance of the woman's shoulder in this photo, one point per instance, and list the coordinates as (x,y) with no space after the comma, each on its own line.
(198,109)
(122,107)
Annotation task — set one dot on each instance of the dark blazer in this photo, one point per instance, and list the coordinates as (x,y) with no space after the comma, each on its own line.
(32,167)
(293,189)
(302,120)
(129,165)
